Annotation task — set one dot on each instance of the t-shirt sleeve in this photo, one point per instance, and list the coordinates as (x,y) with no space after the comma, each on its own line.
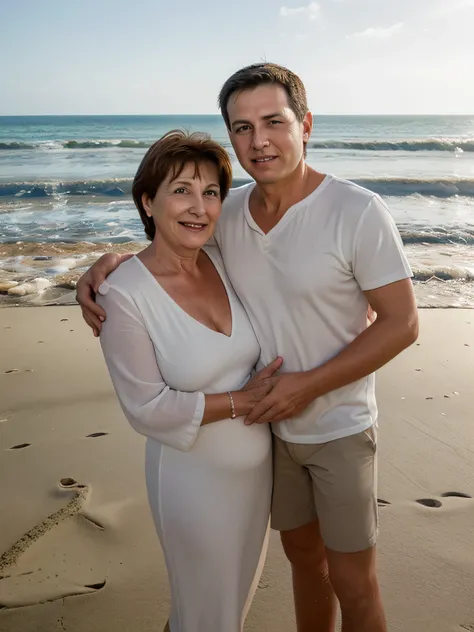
(378,256)
(153,408)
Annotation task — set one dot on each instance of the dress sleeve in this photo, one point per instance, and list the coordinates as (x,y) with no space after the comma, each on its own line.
(153,409)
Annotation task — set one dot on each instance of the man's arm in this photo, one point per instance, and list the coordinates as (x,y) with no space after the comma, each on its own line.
(88,285)
(395,329)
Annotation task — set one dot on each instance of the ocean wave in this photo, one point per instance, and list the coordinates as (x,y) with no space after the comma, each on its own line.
(118,187)
(104,144)
(77,144)
(413,145)
(16,145)
(430,144)
(442,273)
(398,187)
(113,188)
(437,235)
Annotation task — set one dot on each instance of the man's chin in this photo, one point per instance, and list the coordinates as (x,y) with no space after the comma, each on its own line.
(265,178)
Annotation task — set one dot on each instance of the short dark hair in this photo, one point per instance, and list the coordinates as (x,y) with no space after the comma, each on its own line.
(265,73)
(171,153)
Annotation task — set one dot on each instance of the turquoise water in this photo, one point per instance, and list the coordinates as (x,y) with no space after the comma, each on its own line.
(65,182)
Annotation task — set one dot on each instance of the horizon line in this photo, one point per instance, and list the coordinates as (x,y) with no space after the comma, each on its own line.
(218,114)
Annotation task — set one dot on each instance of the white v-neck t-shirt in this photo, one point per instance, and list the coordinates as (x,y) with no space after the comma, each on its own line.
(302,286)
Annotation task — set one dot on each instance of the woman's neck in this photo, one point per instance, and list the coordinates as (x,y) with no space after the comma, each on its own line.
(164,260)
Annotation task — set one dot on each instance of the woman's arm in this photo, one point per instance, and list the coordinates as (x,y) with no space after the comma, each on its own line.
(152,408)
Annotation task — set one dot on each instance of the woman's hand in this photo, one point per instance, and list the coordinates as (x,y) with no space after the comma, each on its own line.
(256,388)
(264,374)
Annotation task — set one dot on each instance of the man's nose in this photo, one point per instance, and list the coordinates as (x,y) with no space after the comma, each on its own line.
(259,140)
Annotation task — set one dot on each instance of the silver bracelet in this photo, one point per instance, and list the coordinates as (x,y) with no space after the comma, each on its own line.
(232,407)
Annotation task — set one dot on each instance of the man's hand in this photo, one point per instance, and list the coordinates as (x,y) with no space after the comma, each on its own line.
(394,327)
(88,285)
(292,393)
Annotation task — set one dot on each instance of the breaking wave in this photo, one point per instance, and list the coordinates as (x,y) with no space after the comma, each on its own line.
(413,145)
(117,187)
(432,144)
(77,144)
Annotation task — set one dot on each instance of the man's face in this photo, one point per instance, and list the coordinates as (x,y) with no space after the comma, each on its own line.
(266,136)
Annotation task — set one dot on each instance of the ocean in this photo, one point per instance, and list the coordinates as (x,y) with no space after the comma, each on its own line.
(65,198)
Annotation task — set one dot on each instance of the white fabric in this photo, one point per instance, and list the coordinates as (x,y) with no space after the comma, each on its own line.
(209,487)
(302,286)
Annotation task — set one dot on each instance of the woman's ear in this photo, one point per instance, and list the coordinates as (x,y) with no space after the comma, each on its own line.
(146,204)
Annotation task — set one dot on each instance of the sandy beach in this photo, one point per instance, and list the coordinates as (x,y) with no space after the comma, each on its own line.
(78,550)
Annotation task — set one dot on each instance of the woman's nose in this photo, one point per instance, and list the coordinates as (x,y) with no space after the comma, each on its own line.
(197,207)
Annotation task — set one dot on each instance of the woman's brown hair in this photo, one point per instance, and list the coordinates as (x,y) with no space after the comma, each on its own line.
(171,153)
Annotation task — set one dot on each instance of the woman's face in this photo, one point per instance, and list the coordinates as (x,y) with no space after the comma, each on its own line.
(186,209)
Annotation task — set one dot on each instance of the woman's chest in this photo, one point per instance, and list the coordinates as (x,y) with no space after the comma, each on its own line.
(206,301)
(192,356)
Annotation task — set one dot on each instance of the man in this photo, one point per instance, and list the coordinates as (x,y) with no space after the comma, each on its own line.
(307,254)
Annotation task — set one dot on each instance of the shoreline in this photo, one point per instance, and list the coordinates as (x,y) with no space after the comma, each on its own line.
(38,274)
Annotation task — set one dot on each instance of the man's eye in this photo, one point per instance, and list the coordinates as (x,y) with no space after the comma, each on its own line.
(275,122)
(243,128)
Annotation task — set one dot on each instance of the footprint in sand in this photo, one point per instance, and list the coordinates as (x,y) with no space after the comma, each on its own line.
(467,626)
(429,502)
(55,591)
(432,502)
(20,446)
(98,434)
(382,503)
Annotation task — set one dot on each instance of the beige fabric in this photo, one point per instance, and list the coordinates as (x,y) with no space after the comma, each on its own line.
(334,482)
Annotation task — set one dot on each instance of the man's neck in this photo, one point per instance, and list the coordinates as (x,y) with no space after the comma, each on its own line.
(276,198)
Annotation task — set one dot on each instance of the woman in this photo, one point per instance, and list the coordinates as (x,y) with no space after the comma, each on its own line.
(180,351)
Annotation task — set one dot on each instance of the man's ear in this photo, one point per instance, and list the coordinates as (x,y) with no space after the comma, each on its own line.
(307,126)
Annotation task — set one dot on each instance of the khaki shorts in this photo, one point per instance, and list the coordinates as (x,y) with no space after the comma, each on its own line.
(335,483)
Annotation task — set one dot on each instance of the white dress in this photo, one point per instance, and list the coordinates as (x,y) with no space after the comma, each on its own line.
(209,487)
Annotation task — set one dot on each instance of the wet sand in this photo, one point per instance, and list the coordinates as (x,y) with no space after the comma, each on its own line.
(78,550)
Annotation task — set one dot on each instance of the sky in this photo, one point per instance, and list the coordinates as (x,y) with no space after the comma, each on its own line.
(172,56)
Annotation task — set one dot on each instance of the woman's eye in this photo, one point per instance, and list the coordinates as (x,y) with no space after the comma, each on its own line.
(212,192)
(180,190)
